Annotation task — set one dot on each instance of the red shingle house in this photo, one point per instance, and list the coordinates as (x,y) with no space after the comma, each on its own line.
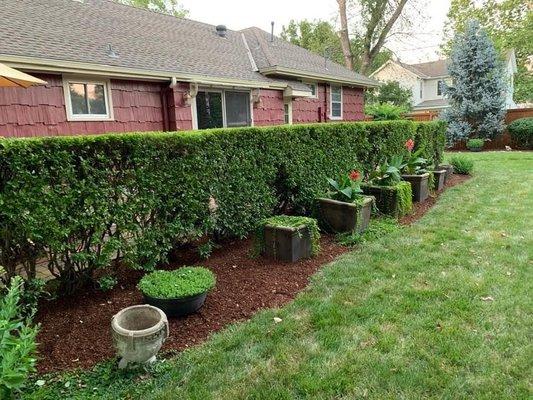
(116,68)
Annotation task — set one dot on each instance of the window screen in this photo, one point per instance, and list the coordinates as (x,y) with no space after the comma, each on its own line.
(237,109)
(209,110)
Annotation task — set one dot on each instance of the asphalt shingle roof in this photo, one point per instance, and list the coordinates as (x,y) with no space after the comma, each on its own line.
(432,68)
(82,30)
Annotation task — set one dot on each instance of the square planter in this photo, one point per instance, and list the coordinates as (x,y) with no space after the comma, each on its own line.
(340,216)
(387,198)
(449,170)
(419,184)
(440,178)
(287,244)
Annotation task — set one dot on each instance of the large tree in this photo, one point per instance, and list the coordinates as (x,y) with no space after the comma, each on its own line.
(509,24)
(392,93)
(172,7)
(477,94)
(322,38)
(374,25)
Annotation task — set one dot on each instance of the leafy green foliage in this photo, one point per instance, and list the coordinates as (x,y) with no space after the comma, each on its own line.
(462,165)
(347,188)
(415,164)
(390,93)
(395,200)
(107,282)
(17,342)
(205,249)
(179,283)
(387,174)
(287,221)
(475,143)
(171,7)
(385,111)
(77,202)
(521,131)
(377,228)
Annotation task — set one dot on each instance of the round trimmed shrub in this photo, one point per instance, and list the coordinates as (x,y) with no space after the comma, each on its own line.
(180,283)
(521,131)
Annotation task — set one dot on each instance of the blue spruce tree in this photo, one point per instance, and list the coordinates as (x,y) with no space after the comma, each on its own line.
(477,93)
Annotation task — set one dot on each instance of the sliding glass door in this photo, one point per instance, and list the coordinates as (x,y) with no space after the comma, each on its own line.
(225,108)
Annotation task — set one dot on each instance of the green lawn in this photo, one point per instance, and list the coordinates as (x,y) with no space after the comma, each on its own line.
(441,309)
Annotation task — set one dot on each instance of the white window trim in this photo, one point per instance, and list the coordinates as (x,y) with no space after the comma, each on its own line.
(109,116)
(287,102)
(315,84)
(194,110)
(331,103)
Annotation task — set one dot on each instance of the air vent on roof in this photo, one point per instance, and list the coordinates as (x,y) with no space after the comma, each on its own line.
(221,30)
(110,52)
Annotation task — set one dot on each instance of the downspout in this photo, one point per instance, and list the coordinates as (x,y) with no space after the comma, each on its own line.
(165,92)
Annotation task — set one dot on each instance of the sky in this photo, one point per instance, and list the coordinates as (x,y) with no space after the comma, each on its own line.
(239,14)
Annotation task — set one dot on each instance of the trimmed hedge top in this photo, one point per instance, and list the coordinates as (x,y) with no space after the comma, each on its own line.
(180,283)
(79,202)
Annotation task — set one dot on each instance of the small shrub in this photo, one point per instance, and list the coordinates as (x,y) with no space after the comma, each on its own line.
(182,282)
(17,342)
(347,188)
(378,228)
(385,111)
(286,221)
(462,165)
(475,144)
(106,283)
(205,249)
(521,131)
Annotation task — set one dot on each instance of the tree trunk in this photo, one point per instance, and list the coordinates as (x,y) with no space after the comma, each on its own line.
(344,36)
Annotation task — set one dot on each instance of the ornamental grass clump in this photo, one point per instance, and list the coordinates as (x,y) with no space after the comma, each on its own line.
(462,165)
(180,283)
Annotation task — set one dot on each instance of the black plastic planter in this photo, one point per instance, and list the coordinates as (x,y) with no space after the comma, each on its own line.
(419,184)
(440,178)
(287,244)
(178,307)
(449,170)
(340,216)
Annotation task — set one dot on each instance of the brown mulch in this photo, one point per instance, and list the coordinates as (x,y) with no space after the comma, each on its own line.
(75,331)
(419,209)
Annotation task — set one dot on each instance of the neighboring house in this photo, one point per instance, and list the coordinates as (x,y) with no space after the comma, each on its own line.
(425,80)
(112,67)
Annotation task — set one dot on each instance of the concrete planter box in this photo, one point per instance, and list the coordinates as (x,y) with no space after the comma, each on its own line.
(449,170)
(340,216)
(440,178)
(287,244)
(419,184)
(386,198)
(178,307)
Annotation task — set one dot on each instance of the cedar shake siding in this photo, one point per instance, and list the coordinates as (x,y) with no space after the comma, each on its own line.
(140,106)
(40,110)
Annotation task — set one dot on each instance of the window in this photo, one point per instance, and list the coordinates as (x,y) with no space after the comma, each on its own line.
(335,102)
(313,88)
(87,100)
(440,88)
(287,111)
(219,109)
(421,89)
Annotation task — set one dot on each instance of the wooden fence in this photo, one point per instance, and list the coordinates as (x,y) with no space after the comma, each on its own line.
(495,144)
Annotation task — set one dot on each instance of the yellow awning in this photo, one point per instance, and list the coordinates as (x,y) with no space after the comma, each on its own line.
(10,77)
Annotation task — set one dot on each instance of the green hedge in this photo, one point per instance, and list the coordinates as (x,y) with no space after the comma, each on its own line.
(81,202)
(521,131)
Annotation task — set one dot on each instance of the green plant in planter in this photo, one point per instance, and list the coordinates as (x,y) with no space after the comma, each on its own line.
(179,283)
(387,174)
(347,189)
(462,165)
(475,144)
(414,165)
(287,221)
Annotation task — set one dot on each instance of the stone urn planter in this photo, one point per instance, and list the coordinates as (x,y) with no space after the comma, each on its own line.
(287,243)
(138,333)
(448,168)
(340,216)
(440,179)
(419,185)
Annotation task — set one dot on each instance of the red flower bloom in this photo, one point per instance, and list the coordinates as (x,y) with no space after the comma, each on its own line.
(354,175)
(410,144)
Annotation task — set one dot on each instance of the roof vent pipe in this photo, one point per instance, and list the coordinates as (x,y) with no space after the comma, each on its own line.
(221,30)
(272,31)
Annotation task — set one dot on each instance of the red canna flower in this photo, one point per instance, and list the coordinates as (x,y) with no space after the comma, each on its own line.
(354,175)
(410,144)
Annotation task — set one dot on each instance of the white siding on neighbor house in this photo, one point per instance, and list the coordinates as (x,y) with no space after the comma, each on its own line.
(509,77)
(430,88)
(408,80)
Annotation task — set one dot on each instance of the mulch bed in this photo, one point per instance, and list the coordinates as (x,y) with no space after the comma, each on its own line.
(75,331)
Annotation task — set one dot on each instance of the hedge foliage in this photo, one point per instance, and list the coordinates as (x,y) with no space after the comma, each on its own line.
(521,131)
(81,202)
